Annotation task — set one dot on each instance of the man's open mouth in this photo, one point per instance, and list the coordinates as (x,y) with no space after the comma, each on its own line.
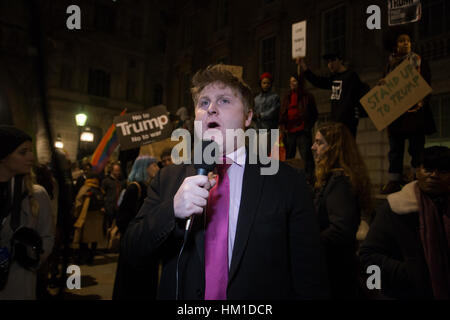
(213,125)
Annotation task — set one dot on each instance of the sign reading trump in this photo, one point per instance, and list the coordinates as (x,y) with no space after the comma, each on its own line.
(140,128)
(404,88)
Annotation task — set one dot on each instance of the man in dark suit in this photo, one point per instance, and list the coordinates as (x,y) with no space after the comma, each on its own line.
(272,240)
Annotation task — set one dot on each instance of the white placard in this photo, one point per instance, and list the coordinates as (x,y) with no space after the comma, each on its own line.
(299,39)
(403,11)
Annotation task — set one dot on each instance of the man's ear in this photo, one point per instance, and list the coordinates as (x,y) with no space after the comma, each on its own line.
(249,117)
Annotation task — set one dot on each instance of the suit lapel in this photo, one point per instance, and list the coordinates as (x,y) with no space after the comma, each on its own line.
(251,192)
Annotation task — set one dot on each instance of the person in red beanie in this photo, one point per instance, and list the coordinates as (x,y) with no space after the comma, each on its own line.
(267,107)
(267,104)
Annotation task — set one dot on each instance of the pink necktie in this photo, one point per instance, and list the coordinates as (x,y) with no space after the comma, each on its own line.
(216,237)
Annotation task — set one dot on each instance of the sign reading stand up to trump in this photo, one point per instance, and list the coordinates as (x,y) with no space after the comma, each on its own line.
(404,88)
(140,128)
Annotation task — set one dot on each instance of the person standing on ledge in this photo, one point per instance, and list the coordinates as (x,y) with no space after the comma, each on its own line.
(346,89)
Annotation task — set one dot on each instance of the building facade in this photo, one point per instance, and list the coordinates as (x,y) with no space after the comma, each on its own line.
(256,35)
(135,54)
(111,63)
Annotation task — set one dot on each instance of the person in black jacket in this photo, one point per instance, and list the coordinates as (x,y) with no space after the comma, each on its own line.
(342,197)
(112,185)
(128,279)
(270,249)
(346,90)
(409,239)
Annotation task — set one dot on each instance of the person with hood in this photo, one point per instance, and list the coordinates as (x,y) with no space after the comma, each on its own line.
(409,239)
(27,226)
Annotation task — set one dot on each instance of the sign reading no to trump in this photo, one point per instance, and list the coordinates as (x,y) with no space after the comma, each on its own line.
(404,88)
(139,128)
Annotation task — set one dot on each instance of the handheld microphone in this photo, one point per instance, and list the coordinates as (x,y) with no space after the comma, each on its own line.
(203,169)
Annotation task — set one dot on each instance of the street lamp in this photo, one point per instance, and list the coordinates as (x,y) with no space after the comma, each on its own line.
(58,142)
(81,119)
(87,135)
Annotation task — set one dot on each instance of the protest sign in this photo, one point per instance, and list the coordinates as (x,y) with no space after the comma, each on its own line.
(403,11)
(404,88)
(140,128)
(299,39)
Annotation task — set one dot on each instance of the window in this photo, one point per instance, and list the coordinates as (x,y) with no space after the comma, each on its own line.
(104,19)
(187,97)
(162,41)
(131,91)
(434,18)
(136,28)
(98,83)
(334,30)
(66,77)
(440,106)
(187,32)
(268,55)
(221,14)
(157,94)
(432,27)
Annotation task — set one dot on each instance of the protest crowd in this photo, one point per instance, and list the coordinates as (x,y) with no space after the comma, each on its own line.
(310,231)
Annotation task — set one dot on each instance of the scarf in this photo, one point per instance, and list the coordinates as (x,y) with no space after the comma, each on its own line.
(92,183)
(435,236)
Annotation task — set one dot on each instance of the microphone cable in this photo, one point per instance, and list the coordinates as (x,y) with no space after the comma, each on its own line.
(186,234)
(201,169)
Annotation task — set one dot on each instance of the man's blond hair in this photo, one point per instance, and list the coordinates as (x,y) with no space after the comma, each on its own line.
(219,73)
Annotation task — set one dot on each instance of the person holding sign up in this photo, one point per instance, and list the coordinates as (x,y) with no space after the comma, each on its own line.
(413,124)
(346,89)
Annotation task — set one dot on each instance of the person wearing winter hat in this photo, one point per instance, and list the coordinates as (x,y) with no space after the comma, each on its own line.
(267,104)
(25,217)
(267,107)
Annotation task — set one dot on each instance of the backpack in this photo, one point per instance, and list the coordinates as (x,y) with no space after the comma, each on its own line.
(122,193)
(97,201)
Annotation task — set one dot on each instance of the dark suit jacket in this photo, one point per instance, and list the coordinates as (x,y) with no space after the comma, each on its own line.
(276,253)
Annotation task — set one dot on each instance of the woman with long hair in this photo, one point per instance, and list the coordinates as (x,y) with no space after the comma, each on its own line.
(26,220)
(298,113)
(342,196)
(132,282)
